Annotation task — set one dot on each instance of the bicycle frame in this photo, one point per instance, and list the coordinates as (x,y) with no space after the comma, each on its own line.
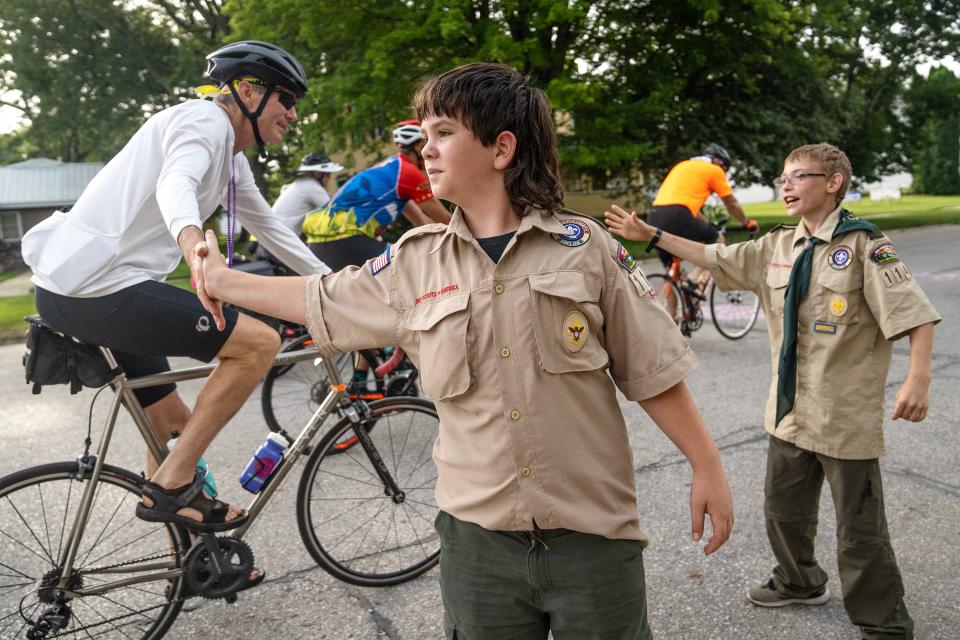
(124,388)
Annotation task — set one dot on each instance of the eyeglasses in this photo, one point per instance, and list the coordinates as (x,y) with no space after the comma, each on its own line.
(794,179)
(287,99)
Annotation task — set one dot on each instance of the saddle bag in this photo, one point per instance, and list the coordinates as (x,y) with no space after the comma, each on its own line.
(53,358)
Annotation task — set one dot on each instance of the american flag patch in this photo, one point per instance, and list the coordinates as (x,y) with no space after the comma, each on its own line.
(380,262)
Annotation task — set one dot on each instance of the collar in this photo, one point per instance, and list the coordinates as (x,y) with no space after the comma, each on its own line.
(548,222)
(824,232)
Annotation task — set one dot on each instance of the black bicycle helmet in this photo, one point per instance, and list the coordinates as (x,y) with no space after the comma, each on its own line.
(318,162)
(268,63)
(716,151)
(263,60)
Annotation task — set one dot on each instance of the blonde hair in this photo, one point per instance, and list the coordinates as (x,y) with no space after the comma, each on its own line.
(831,159)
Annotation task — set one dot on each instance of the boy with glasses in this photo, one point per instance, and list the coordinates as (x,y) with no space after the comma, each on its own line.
(836,296)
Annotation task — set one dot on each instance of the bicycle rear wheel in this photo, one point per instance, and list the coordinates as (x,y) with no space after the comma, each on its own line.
(734,312)
(348,520)
(37,510)
(291,393)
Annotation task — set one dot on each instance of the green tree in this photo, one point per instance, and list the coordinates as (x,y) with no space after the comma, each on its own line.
(933,126)
(91,71)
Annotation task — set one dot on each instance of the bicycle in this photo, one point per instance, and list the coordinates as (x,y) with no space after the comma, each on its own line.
(291,393)
(75,560)
(734,313)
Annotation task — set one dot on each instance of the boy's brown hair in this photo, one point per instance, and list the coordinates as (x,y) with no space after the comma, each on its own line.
(490,99)
(831,159)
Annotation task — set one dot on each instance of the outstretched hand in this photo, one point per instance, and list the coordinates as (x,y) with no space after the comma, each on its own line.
(206,261)
(627,225)
(710,495)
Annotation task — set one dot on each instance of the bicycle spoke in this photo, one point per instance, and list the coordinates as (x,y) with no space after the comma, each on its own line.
(406,436)
(17,571)
(377,484)
(63,525)
(134,541)
(32,533)
(105,525)
(105,619)
(350,510)
(415,532)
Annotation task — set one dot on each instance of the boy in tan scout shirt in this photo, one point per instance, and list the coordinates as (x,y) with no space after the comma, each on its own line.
(836,297)
(522,318)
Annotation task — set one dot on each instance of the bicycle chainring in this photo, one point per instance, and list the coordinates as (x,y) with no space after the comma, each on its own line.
(235,559)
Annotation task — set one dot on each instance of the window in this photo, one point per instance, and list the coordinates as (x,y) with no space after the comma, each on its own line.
(11,228)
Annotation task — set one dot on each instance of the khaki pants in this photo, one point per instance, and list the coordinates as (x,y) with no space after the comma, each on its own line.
(872,587)
(517,585)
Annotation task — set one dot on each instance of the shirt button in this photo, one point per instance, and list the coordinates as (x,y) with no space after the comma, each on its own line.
(505,352)
(498,288)
(525,472)
(515,414)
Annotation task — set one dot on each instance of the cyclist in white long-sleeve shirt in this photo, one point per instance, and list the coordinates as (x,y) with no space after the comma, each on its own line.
(99,268)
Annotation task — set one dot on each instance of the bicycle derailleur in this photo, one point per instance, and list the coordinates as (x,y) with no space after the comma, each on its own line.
(217,567)
(56,617)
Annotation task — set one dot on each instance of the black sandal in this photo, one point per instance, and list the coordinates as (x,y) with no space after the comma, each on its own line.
(166,503)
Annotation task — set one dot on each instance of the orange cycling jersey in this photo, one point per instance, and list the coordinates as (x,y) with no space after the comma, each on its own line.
(691,182)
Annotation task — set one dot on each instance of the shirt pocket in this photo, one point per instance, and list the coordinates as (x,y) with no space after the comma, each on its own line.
(839,296)
(777,280)
(441,330)
(567,321)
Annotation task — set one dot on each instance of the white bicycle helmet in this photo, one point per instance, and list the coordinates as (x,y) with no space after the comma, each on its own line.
(407,133)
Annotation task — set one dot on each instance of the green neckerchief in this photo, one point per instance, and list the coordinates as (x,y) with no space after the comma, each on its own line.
(796,288)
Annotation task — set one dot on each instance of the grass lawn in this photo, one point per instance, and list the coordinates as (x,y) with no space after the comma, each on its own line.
(909,211)
(6,275)
(12,311)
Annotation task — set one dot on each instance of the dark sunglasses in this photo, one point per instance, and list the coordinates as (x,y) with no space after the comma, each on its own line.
(287,99)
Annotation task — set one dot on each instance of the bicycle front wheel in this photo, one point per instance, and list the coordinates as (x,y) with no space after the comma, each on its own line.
(38,507)
(351,522)
(291,393)
(734,312)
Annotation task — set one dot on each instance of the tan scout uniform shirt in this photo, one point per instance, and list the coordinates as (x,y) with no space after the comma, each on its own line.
(515,354)
(854,309)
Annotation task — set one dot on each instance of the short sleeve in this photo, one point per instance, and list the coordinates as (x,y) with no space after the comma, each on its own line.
(648,355)
(412,183)
(742,266)
(353,308)
(892,294)
(719,184)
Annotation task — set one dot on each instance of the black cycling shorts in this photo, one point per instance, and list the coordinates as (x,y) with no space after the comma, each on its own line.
(678,220)
(352,251)
(142,325)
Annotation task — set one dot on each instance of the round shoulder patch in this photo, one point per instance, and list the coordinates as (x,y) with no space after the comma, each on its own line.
(841,257)
(577,233)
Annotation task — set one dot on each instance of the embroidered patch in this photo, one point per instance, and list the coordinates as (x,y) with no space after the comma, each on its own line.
(577,234)
(824,327)
(380,263)
(642,284)
(838,306)
(896,273)
(840,257)
(624,259)
(575,331)
(883,254)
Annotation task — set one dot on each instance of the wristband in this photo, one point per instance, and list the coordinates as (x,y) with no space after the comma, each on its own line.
(654,240)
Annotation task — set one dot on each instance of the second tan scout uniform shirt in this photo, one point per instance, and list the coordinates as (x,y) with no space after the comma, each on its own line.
(516,355)
(861,298)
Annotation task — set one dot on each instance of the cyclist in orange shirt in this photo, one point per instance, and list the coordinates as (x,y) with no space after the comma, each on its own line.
(676,209)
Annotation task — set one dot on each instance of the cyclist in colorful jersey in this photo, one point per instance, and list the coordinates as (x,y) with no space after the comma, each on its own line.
(345,233)
(99,269)
(676,209)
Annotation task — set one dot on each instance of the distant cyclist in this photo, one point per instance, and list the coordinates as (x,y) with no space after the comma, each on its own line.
(345,232)
(308,192)
(676,209)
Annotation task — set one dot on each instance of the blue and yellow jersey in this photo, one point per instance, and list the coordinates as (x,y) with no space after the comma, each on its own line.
(371,199)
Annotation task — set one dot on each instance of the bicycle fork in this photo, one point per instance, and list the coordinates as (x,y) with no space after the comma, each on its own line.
(390,486)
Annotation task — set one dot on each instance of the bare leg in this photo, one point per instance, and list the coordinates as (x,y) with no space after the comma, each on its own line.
(702,276)
(244,359)
(167,416)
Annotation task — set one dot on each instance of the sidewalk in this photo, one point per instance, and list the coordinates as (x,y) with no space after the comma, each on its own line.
(17,286)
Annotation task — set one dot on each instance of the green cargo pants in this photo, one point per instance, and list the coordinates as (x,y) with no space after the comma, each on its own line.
(872,587)
(517,585)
